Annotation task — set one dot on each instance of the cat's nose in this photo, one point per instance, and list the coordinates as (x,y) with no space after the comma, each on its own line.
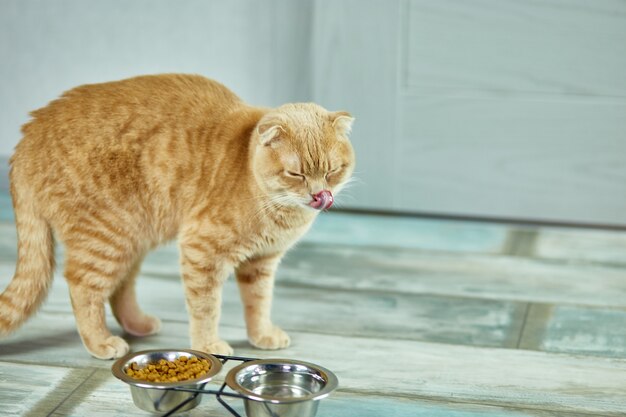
(322,200)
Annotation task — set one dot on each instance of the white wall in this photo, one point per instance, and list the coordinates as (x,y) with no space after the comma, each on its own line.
(492,108)
(46,47)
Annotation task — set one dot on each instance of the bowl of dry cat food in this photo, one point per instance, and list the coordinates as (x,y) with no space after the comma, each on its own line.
(169,381)
(160,380)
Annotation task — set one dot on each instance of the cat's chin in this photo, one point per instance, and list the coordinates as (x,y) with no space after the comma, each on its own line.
(307,208)
(303,208)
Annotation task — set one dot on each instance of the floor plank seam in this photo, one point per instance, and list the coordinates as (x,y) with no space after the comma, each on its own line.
(539,260)
(523,327)
(72,393)
(452,400)
(521,339)
(373,291)
(496,297)
(301,331)
(304,244)
(525,249)
(521,242)
(31,363)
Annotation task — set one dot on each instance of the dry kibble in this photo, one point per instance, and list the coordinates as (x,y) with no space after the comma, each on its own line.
(181,369)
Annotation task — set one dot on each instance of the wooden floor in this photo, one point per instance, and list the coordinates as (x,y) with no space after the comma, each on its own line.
(416,317)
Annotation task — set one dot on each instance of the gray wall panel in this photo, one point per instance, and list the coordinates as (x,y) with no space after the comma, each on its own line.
(494,108)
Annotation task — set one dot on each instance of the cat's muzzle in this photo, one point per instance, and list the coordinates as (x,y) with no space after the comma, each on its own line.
(322,200)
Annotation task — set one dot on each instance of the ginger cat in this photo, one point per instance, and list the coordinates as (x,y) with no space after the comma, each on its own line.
(114,169)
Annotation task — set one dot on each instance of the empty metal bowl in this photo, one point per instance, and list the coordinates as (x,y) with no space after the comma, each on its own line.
(281,387)
(154,396)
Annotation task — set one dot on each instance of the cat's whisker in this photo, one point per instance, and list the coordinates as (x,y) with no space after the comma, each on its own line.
(344,197)
(352,181)
(272,202)
(265,207)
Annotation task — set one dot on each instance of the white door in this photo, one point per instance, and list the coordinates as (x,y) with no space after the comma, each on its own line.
(491,108)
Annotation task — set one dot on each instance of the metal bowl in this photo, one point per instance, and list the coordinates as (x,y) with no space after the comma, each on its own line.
(281,387)
(155,396)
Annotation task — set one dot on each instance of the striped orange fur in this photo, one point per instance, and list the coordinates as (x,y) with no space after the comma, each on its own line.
(112,170)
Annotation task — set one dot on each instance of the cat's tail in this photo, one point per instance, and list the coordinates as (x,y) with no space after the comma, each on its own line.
(34,270)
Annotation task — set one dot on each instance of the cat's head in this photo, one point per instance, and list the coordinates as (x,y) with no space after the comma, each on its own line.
(303,156)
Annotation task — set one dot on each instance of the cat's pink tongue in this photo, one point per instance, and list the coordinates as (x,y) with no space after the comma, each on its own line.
(322,200)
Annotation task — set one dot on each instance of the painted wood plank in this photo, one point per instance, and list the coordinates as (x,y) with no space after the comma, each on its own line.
(342,43)
(8,242)
(368,230)
(52,339)
(4,174)
(497,376)
(419,272)
(503,377)
(350,405)
(103,395)
(499,157)
(494,132)
(463,275)
(571,329)
(407,232)
(34,390)
(394,315)
(550,47)
(582,245)
(233,36)
(6,208)
(371,314)
(408,271)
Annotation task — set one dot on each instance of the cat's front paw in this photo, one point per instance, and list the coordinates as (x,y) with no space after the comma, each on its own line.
(217,348)
(112,347)
(274,338)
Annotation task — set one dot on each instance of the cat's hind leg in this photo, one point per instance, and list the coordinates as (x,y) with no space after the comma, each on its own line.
(92,276)
(126,309)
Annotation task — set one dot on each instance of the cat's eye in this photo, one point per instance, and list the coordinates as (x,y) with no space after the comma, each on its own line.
(294,175)
(333,172)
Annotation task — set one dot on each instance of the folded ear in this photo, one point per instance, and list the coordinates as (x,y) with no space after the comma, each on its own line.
(269,130)
(342,122)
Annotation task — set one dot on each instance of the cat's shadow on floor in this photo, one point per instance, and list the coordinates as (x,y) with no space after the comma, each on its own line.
(133,341)
(21,345)
(17,345)
(241,344)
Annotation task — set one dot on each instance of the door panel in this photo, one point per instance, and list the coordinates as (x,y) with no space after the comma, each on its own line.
(491,108)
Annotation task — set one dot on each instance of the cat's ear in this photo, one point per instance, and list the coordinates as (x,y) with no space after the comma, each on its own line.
(342,122)
(269,131)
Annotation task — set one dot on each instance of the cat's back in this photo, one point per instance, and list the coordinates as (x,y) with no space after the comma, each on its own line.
(150,97)
(97,135)
(120,116)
